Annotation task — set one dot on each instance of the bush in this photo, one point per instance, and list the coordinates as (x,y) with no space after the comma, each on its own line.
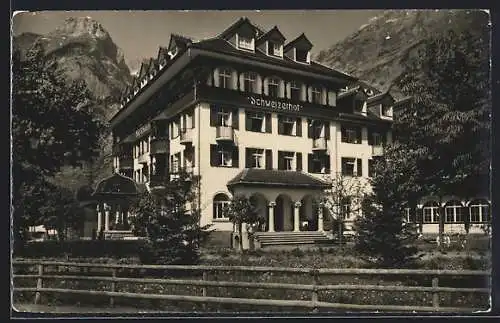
(81,248)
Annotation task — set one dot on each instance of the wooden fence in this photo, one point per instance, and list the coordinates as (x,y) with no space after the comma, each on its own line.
(313,287)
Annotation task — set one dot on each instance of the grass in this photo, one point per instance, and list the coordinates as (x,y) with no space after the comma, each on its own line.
(319,257)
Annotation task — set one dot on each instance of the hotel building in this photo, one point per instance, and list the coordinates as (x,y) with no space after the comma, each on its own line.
(250,113)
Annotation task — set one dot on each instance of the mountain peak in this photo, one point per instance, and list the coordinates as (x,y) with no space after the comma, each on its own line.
(78,26)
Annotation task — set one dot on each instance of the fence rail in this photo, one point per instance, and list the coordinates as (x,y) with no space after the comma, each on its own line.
(314,303)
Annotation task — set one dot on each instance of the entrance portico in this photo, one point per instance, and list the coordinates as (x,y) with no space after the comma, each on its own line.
(292,198)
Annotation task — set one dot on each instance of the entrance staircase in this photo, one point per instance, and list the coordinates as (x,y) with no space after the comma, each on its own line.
(287,238)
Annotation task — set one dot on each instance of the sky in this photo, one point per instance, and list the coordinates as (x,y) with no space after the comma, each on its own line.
(140,33)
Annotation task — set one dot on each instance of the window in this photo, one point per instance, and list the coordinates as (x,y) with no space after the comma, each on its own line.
(479,211)
(346,208)
(301,55)
(319,164)
(285,160)
(288,162)
(387,111)
(257,158)
(256,121)
(273,87)
(431,214)
(358,106)
(407,215)
(371,167)
(294,91)
(245,43)
(351,166)
(249,83)
(225,157)
(219,203)
(225,78)
(286,125)
(275,49)
(316,95)
(223,117)
(453,212)
(175,162)
(377,139)
(351,135)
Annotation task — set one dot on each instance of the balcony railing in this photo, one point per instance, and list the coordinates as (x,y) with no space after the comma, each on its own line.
(159,146)
(319,143)
(224,133)
(186,136)
(377,150)
(143,159)
(126,162)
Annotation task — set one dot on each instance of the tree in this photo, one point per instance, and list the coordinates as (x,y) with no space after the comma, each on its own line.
(448,122)
(52,125)
(382,236)
(343,200)
(240,211)
(169,221)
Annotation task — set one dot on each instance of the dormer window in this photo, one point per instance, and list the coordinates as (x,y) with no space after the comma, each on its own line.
(245,43)
(359,106)
(301,55)
(172,53)
(387,111)
(275,49)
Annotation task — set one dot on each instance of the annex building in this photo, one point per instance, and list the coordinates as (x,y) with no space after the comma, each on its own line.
(251,113)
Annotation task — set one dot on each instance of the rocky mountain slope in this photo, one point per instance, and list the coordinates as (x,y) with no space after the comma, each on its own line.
(378,51)
(83,49)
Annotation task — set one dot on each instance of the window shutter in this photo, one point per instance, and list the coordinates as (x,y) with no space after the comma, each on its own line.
(216,77)
(234,79)
(214,156)
(309,128)
(309,93)
(309,163)
(266,90)
(370,136)
(332,98)
(269,159)
(236,157)
(359,167)
(299,161)
(248,124)
(282,89)
(359,134)
(280,125)
(259,84)
(327,130)
(192,119)
(268,123)
(288,90)
(298,132)
(303,90)
(327,164)
(213,116)
(242,83)
(323,95)
(281,161)
(343,134)
(236,119)
(248,157)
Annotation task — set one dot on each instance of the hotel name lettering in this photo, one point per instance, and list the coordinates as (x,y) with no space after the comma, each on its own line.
(275,105)
(139,132)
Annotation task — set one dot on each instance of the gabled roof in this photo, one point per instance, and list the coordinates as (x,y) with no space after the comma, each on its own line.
(179,41)
(237,24)
(267,177)
(403,100)
(162,53)
(302,38)
(144,69)
(348,93)
(153,65)
(379,97)
(267,35)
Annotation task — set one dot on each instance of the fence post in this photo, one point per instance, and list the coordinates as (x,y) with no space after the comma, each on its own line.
(113,287)
(314,294)
(204,289)
(435,294)
(39,284)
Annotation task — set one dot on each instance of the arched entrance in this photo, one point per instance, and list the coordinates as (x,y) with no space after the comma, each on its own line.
(283,217)
(308,214)
(260,204)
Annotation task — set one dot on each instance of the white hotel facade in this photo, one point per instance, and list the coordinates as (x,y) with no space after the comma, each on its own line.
(250,113)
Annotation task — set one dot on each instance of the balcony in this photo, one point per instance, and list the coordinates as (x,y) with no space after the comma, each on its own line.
(126,162)
(159,146)
(143,159)
(224,133)
(377,150)
(319,144)
(186,136)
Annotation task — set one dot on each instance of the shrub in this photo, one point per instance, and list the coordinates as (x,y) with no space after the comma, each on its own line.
(81,248)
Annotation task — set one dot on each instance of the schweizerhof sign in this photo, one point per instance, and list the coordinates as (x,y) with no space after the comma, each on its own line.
(276,105)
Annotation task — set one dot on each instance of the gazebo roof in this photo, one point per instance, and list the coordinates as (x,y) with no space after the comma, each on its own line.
(116,185)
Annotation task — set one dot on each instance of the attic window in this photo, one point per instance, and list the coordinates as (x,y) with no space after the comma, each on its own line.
(358,106)
(275,49)
(172,53)
(301,55)
(245,43)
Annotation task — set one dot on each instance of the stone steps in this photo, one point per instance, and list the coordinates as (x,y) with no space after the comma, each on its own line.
(291,238)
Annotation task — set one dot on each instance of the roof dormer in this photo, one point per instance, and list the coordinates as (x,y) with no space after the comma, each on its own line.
(163,57)
(299,49)
(242,34)
(153,68)
(177,44)
(271,42)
